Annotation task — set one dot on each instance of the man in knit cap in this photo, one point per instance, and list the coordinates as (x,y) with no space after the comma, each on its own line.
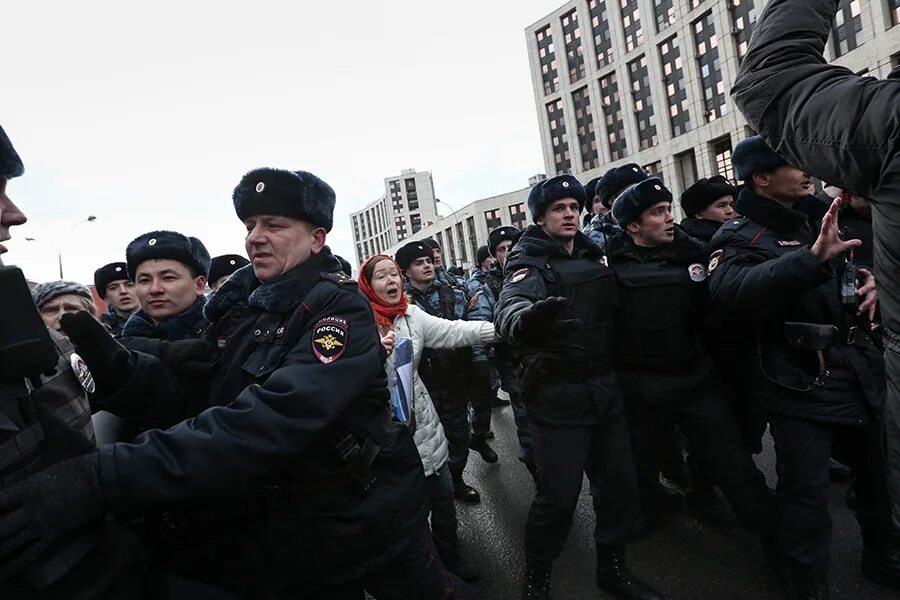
(56,298)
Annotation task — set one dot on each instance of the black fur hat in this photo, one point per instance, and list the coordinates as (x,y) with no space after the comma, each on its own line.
(106,274)
(167,245)
(412,252)
(703,193)
(431,243)
(481,255)
(10,163)
(220,266)
(346,269)
(295,194)
(638,198)
(753,155)
(590,189)
(546,192)
(501,234)
(617,179)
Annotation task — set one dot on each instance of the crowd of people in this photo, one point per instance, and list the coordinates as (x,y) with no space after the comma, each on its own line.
(251,437)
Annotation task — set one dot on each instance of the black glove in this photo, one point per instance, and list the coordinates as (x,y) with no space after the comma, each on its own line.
(540,317)
(111,364)
(195,358)
(36,512)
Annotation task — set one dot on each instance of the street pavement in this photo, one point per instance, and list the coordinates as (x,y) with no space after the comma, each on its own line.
(686,560)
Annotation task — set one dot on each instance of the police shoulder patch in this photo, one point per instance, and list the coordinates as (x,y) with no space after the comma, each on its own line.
(329,339)
(83,374)
(714,260)
(519,275)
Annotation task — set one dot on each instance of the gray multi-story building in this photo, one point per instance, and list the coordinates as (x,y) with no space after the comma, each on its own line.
(647,81)
(408,205)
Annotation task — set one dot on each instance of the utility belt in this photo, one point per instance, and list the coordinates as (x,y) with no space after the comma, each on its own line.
(813,338)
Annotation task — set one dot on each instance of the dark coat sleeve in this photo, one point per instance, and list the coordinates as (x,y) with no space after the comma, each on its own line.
(260,430)
(839,126)
(524,285)
(757,287)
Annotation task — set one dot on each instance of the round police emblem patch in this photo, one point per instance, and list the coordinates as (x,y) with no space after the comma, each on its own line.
(519,275)
(82,373)
(697,272)
(329,339)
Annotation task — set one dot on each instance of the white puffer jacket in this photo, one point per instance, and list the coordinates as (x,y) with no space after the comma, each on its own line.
(433,332)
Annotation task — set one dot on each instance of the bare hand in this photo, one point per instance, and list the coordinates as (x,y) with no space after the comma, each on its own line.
(388,341)
(867,293)
(829,243)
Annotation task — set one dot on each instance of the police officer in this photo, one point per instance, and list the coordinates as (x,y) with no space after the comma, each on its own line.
(607,189)
(440,270)
(113,285)
(782,267)
(447,373)
(298,428)
(665,373)
(221,267)
(595,206)
(487,294)
(557,309)
(708,203)
(170,271)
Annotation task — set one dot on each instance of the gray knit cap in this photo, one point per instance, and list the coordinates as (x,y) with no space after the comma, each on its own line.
(43,293)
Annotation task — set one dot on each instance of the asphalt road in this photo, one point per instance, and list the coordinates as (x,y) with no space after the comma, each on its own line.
(686,560)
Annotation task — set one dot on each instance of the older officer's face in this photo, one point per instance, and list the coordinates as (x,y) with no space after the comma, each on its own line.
(277,244)
(656,227)
(560,220)
(10,215)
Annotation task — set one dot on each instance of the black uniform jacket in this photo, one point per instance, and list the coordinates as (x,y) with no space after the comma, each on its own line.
(762,270)
(662,302)
(842,128)
(300,367)
(701,229)
(566,377)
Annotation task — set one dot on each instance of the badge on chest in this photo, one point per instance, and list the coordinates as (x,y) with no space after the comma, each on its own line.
(329,339)
(697,272)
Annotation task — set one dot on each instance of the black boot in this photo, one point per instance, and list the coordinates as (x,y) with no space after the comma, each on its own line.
(614,577)
(807,586)
(537,580)
(480,445)
(464,492)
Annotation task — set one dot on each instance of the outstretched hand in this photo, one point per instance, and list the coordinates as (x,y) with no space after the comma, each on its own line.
(867,293)
(829,243)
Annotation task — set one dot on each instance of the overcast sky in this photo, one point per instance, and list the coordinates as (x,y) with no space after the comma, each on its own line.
(148,117)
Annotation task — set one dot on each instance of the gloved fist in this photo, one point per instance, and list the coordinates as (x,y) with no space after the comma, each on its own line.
(111,364)
(195,358)
(540,317)
(36,512)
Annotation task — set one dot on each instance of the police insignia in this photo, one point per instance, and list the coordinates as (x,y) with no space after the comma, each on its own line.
(714,260)
(519,275)
(789,243)
(329,339)
(82,373)
(697,272)
(474,300)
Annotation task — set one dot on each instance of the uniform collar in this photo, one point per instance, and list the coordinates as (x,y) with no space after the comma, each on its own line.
(773,215)
(187,324)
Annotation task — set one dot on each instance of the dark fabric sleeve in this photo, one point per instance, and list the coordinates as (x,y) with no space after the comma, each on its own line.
(822,117)
(757,288)
(263,428)
(523,286)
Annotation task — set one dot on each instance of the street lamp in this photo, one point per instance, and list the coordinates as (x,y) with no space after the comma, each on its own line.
(89,219)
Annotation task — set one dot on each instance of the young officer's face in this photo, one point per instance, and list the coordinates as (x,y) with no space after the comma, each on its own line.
(502,250)
(387,282)
(421,271)
(10,215)
(721,210)
(785,184)
(560,220)
(166,287)
(122,296)
(656,227)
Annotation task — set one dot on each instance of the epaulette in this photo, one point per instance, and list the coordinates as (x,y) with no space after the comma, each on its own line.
(735,224)
(526,260)
(338,278)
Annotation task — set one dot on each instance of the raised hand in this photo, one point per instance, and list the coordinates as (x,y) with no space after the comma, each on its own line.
(829,243)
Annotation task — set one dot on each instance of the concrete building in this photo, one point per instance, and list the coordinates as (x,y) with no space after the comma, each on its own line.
(648,81)
(408,205)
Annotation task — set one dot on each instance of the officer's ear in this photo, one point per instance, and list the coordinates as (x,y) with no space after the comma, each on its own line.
(761,180)
(318,234)
(634,227)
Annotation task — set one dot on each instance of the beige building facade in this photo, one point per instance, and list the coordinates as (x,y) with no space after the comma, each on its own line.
(648,81)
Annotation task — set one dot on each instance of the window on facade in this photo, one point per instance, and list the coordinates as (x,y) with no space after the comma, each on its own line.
(473,240)
(741,25)
(655,170)
(631,23)
(574,47)
(695,3)
(355,228)
(369,231)
(517,215)
(547,56)
(584,120)
(894,6)
(450,247)
(664,11)
(439,239)
(642,102)
(359,254)
(612,113)
(895,58)
(721,151)
(707,52)
(686,169)
(415,220)
(400,226)
(461,242)
(492,219)
(561,157)
(601,32)
(673,79)
(846,29)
